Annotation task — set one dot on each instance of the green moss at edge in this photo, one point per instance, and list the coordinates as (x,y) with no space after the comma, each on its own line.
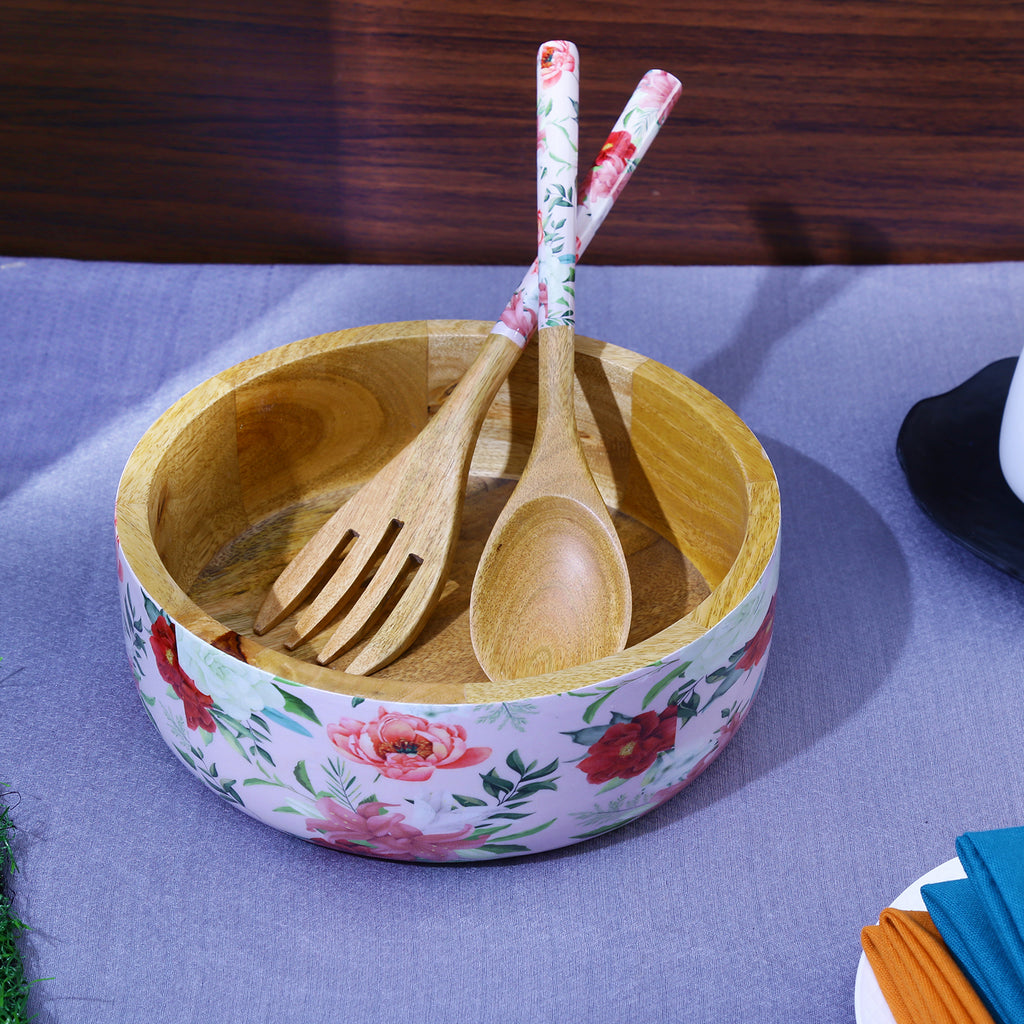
(14,987)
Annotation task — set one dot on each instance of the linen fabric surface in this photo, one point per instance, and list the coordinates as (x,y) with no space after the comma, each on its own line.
(980,917)
(888,722)
(918,976)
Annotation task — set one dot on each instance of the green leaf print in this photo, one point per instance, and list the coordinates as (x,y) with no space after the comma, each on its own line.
(495,785)
(302,777)
(297,706)
(662,683)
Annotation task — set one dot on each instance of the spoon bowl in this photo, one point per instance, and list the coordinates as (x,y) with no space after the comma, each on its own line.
(578,609)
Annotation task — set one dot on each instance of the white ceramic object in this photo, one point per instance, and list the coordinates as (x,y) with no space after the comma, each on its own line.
(869,1004)
(1011,433)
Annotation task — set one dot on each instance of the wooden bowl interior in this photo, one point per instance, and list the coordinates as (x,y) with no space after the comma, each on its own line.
(228,484)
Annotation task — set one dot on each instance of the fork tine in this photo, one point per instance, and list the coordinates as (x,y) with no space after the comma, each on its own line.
(306,571)
(371,604)
(398,631)
(357,563)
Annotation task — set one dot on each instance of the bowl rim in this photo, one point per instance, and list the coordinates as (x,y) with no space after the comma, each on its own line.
(752,561)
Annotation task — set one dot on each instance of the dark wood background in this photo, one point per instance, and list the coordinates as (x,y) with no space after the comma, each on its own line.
(402,130)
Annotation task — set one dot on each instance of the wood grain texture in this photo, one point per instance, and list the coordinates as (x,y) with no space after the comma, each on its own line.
(206,531)
(665,584)
(402,130)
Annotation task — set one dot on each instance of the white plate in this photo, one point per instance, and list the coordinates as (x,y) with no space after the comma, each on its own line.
(868,1002)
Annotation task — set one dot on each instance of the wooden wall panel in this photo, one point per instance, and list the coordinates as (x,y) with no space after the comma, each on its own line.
(402,130)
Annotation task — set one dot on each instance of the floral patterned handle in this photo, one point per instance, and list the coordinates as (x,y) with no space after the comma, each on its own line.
(638,124)
(637,127)
(558,103)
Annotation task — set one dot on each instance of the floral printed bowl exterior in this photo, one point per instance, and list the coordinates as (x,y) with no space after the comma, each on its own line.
(498,770)
(446,782)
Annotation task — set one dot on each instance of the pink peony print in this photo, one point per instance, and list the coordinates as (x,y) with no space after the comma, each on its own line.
(519,316)
(658,88)
(404,746)
(555,58)
(373,829)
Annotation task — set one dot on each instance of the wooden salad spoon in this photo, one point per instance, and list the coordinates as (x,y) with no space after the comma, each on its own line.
(410,512)
(552,589)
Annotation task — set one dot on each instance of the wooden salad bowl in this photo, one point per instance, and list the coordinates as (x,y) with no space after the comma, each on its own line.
(428,760)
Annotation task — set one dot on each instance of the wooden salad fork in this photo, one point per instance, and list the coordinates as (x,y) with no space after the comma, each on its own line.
(394,539)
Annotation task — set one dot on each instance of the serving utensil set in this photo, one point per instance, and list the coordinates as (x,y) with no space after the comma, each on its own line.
(551,590)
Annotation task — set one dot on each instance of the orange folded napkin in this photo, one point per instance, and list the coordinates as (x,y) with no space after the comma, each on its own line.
(919,978)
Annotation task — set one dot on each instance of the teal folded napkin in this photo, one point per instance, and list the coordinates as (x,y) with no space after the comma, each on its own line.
(981,917)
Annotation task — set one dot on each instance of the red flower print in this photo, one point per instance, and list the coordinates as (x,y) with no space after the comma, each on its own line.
(555,58)
(371,828)
(607,172)
(628,749)
(758,645)
(404,746)
(165,647)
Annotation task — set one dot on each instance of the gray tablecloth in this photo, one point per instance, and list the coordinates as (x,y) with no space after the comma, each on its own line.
(889,720)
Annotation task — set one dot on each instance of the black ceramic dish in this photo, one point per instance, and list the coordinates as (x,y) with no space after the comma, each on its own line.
(948,447)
